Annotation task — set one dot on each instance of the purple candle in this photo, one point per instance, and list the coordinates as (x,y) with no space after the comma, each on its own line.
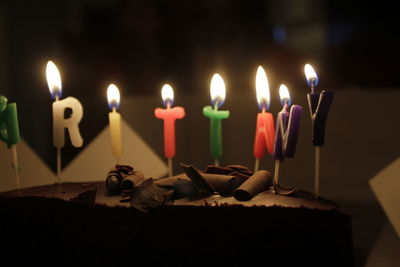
(287,130)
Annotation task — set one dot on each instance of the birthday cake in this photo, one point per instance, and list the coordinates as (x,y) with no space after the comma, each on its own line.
(219,216)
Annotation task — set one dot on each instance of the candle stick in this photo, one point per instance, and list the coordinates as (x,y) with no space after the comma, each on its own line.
(319,105)
(114,117)
(265,130)
(169,115)
(217,90)
(60,123)
(287,130)
(9,132)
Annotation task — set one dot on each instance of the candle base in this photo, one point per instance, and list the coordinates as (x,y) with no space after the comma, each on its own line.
(317,170)
(16,166)
(58,165)
(170,167)
(276,173)
(256,165)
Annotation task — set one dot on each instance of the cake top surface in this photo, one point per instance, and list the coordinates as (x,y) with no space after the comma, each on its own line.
(96,193)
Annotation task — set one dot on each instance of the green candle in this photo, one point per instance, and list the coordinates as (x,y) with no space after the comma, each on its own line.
(217,90)
(9,130)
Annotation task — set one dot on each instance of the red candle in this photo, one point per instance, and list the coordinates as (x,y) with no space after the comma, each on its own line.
(265,130)
(169,115)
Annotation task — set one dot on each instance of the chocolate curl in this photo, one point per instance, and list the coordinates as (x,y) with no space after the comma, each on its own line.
(241,169)
(197,178)
(223,184)
(181,184)
(258,182)
(228,169)
(132,180)
(241,177)
(115,177)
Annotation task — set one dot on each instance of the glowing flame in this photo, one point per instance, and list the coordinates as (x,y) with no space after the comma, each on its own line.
(53,80)
(284,95)
(311,76)
(217,90)
(167,94)
(113,96)
(262,89)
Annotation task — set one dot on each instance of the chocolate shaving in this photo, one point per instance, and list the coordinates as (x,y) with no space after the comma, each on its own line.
(149,195)
(218,170)
(240,169)
(241,177)
(131,180)
(181,184)
(258,182)
(223,184)
(115,177)
(197,178)
(284,191)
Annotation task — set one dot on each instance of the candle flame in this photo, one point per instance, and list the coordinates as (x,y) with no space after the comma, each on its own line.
(262,89)
(113,96)
(53,80)
(284,95)
(217,90)
(167,94)
(311,75)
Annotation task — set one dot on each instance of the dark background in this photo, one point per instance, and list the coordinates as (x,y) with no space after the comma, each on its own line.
(139,45)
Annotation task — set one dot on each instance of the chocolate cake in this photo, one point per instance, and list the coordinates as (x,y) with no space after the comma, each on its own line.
(176,221)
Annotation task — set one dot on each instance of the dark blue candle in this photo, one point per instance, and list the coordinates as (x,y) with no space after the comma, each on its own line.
(319,105)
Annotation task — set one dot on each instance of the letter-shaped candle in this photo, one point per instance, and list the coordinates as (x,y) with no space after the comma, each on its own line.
(60,123)
(265,130)
(169,115)
(319,105)
(9,131)
(217,90)
(287,130)
(114,117)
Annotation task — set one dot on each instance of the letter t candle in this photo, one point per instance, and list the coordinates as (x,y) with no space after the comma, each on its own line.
(319,105)
(265,130)
(217,90)
(114,117)
(169,115)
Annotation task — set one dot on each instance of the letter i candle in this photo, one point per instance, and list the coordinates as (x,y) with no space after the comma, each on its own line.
(114,117)
(319,105)
(287,130)
(60,123)
(217,91)
(169,115)
(9,132)
(265,131)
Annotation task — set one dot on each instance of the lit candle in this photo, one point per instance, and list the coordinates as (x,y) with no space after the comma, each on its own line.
(9,131)
(265,130)
(287,130)
(60,123)
(319,105)
(217,90)
(169,115)
(114,117)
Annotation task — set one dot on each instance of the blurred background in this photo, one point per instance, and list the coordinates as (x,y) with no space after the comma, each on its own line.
(141,44)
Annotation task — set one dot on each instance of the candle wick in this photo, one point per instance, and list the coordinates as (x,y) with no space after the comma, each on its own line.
(216,105)
(263,108)
(114,109)
(168,104)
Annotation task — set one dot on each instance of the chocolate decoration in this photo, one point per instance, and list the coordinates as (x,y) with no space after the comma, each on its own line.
(181,184)
(258,182)
(218,170)
(240,169)
(197,178)
(223,184)
(115,177)
(241,177)
(149,195)
(283,191)
(132,180)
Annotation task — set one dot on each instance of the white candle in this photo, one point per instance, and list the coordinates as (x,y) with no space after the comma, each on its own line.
(115,120)
(60,123)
